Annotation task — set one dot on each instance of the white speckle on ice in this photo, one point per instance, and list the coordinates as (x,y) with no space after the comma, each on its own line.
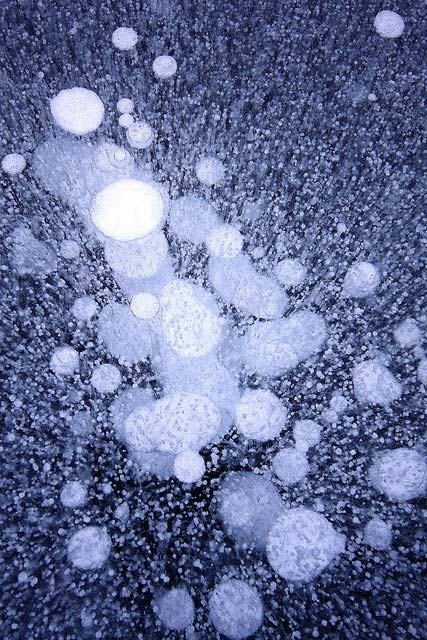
(144,305)
(407,333)
(127,210)
(290,465)
(290,272)
(301,544)
(126,120)
(124,38)
(64,361)
(89,548)
(13,163)
(189,466)
(389,24)
(192,218)
(224,241)
(400,473)
(164,67)
(361,280)
(210,170)
(125,105)
(77,110)
(375,384)
(260,415)
(84,308)
(73,494)
(378,534)
(140,135)
(235,609)
(175,609)
(106,378)
(307,434)
(69,249)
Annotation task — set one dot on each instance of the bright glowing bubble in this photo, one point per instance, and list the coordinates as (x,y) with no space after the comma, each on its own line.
(389,24)
(235,609)
(400,473)
(144,305)
(189,466)
(13,164)
(126,120)
(89,548)
(77,110)
(127,210)
(125,105)
(164,67)
(140,135)
(124,38)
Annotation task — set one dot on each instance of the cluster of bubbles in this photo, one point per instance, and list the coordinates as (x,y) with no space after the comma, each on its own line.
(189,334)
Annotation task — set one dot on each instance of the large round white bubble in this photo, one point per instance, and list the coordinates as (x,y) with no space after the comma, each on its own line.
(235,609)
(290,465)
(189,466)
(175,609)
(124,38)
(375,384)
(89,547)
(13,163)
(260,415)
(400,473)
(301,544)
(389,24)
(77,110)
(164,67)
(127,209)
(65,361)
(361,280)
(73,494)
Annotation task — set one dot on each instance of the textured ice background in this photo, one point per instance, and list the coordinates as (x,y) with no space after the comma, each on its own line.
(281,92)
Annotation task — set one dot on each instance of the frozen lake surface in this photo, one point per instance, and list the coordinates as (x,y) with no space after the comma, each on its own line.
(214,304)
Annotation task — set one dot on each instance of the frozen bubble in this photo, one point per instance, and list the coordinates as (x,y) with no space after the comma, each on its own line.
(13,164)
(210,170)
(164,67)
(175,609)
(176,423)
(306,434)
(69,249)
(89,547)
(248,506)
(126,402)
(290,272)
(140,135)
(375,384)
(124,38)
(127,210)
(77,110)
(407,333)
(361,280)
(272,348)
(290,465)
(422,371)
(126,120)
(140,258)
(338,403)
(372,97)
(224,241)
(144,305)
(65,361)
(121,512)
(123,334)
(106,378)
(192,219)
(73,494)
(31,256)
(400,473)
(238,283)
(301,544)
(112,159)
(125,105)
(81,423)
(189,466)
(389,24)
(260,415)
(190,327)
(235,609)
(84,308)
(378,534)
